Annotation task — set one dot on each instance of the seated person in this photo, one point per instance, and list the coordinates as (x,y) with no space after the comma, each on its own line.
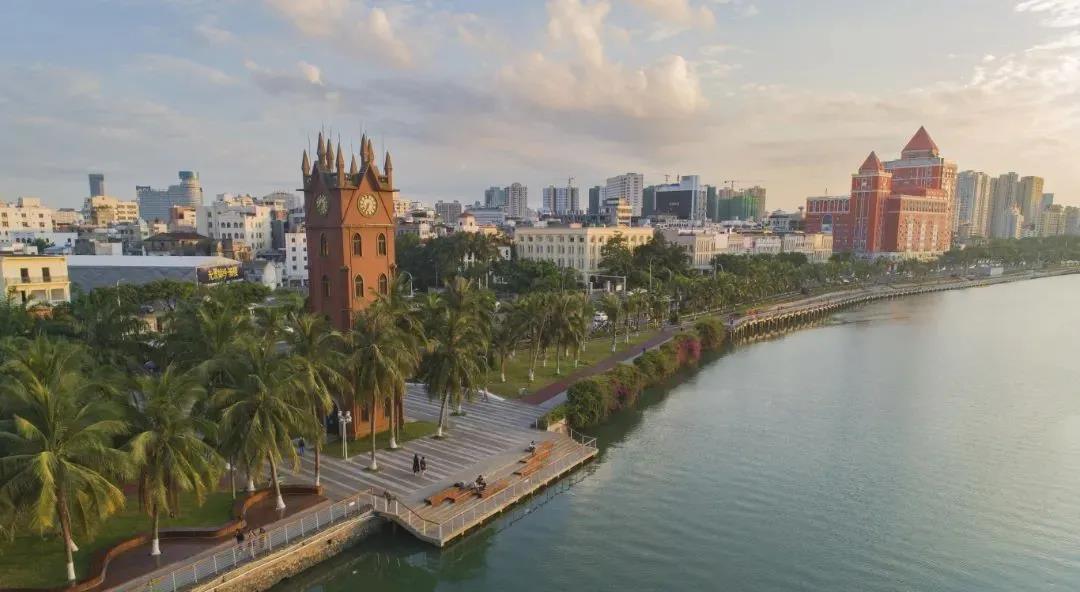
(532,446)
(480,483)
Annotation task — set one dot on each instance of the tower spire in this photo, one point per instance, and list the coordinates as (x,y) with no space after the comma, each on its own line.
(305,165)
(321,151)
(363,151)
(353,169)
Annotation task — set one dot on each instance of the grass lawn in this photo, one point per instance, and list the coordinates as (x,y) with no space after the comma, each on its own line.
(411,431)
(517,368)
(33,561)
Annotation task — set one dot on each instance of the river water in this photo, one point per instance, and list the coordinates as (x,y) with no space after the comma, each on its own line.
(926,443)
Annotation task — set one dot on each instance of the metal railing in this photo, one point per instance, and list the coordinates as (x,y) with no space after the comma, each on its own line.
(254,547)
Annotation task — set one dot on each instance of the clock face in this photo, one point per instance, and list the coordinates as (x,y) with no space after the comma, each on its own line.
(322,204)
(367,205)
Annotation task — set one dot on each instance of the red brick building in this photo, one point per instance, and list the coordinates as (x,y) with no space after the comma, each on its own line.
(349,215)
(901,207)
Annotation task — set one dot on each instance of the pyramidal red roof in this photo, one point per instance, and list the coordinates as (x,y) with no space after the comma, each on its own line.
(872,163)
(921,142)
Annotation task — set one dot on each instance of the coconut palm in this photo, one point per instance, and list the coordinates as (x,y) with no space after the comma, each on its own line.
(316,352)
(381,358)
(261,408)
(504,340)
(455,365)
(58,434)
(167,449)
(533,316)
(409,320)
(612,306)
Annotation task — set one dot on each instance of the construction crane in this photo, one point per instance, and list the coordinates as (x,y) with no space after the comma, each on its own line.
(732,182)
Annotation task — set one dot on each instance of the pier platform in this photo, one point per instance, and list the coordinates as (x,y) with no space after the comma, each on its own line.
(523,475)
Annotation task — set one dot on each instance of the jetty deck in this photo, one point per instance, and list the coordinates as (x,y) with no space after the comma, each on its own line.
(441,524)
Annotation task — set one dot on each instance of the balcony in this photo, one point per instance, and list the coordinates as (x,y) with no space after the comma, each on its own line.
(35,279)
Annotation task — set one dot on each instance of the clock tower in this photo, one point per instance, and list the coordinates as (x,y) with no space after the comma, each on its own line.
(349,215)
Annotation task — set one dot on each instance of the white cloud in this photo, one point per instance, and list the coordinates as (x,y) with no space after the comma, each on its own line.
(581,24)
(1061,13)
(357,31)
(679,12)
(209,31)
(182,67)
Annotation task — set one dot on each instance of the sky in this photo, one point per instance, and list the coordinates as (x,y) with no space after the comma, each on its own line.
(466,94)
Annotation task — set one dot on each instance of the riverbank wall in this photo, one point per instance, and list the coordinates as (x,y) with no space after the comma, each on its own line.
(274,568)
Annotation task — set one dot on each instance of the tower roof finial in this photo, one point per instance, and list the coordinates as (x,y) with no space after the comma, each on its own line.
(305,165)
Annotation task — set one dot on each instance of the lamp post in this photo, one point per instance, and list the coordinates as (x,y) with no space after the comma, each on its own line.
(118,292)
(343,420)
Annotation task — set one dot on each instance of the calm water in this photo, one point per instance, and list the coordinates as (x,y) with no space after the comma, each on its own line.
(931,443)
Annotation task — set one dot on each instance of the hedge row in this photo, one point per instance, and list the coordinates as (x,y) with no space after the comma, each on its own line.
(592,400)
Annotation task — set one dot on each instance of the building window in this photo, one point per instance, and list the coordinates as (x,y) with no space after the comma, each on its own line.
(357,245)
(380,246)
(324,247)
(383,284)
(358,287)
(325,287)
(45,275)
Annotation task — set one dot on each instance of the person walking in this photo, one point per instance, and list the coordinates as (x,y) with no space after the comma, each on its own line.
(415,463)
(301,445)
(423,465)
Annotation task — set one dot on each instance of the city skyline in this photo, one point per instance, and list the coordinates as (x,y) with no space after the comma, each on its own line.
(738,89)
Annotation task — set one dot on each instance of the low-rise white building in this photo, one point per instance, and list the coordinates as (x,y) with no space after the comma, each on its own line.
(237,217)
(575,246)
(817,246)
(27,214)
(700,245)
(754,244)
(296,259)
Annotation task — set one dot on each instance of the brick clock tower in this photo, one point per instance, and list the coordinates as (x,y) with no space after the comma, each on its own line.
(349,215)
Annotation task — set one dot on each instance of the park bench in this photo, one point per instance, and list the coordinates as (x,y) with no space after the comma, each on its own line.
(494,488)
(530,468)
(442,496)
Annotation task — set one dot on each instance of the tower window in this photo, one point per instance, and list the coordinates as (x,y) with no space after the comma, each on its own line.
(325,287)
(383,284)
(381,245)
(324,247)
(358,287)
(357,245)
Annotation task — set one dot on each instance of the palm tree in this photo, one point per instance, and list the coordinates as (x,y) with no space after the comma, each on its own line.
(261,408)
(533,315)
(454,366)
(167,449)
(316,353)
(58,430)
(409,320)
(612,306)
(381,359)
(503,341)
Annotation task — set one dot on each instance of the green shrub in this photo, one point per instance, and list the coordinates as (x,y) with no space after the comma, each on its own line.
(554,415)
(711,332)
(587,401)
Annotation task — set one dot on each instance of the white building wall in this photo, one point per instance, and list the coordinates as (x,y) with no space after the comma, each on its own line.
(296,259)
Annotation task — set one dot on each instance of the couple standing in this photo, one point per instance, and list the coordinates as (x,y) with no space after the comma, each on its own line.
(419,464)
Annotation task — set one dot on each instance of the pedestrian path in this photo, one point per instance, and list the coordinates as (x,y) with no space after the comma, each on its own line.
(488,430)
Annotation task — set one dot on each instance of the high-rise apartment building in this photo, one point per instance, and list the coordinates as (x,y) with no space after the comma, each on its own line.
(737,204)
(448,211)
(97,184)
(1053,221)
(1047,200)
(25,215)
(629,187)
(1002,199)
(495,197)
(596,200)
(900,207)
(104,210)
(973,203)
(1029,198)
(517,201)
(1014,223)
(561,200)
(686,200)
(154,204)
(1072,220)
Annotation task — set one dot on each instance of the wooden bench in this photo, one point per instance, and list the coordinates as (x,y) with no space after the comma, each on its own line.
(530,468)
(442,496)
(494,488)
(462,492)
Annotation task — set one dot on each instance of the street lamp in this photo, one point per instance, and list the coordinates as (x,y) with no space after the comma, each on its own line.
(118,292)
(343,420)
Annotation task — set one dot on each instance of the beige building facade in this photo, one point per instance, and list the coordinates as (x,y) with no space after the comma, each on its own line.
(34,279)
(575,246)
